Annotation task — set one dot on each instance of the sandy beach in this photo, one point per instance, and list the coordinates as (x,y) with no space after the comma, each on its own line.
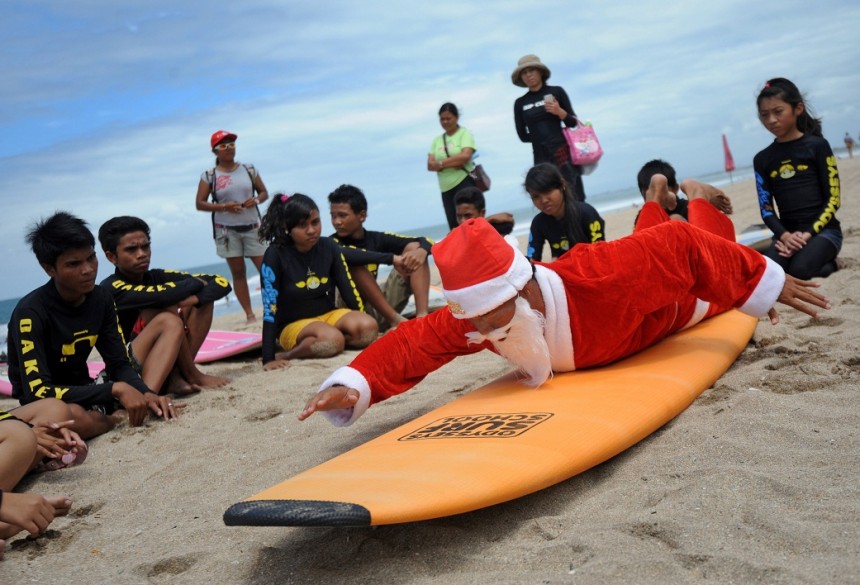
(756,482)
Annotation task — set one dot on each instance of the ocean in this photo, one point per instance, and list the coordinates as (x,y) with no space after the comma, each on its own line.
(606,202)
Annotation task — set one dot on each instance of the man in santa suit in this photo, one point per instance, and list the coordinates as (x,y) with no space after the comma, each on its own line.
(596,304)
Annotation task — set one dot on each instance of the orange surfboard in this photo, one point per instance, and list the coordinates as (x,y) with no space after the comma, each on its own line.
(504,440)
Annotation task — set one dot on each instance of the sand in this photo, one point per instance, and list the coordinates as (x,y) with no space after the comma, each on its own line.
(756,482)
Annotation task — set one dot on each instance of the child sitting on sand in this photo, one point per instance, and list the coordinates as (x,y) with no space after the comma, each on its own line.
(408,254)
(798,184)
(300,273)
(563,221)
(164,315)
(34,436)
(54,329)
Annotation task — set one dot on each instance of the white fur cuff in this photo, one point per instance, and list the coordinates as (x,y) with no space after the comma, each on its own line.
(766,291)
(351,378)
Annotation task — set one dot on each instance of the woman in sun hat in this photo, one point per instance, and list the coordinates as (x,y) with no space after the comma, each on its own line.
(232,192)
(538,116)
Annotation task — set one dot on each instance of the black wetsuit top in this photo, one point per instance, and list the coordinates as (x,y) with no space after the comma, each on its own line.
(541,129)
(160,289)
(49,343)
(385,243)
(300,286)
(545,228)
(801,177)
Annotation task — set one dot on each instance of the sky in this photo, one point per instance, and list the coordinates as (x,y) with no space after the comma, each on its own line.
(106,108)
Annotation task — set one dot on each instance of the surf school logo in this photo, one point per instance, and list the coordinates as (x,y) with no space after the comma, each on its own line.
(479,426)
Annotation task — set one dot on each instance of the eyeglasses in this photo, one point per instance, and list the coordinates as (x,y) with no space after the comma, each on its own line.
(225,146)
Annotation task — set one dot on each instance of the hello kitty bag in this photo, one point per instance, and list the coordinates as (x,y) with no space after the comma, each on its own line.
(584,147)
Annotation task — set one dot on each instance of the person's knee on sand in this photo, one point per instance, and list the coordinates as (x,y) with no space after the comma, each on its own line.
(358,329)
(325,342)
(18,452)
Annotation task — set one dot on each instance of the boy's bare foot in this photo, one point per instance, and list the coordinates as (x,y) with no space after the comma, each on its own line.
(179,386)
(209,381)
(62,504)
(250,318)
(658,190)
(696,190)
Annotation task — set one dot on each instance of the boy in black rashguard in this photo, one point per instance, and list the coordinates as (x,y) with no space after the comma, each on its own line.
(166,315)
(54,328)
(408,254)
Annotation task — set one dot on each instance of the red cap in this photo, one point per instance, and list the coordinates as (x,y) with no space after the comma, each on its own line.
(220,136)
(479,269)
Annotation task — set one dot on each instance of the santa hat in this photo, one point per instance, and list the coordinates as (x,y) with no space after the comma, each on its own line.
(479,269)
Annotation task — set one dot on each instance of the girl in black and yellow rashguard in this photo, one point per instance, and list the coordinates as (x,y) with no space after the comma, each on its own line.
(301,271)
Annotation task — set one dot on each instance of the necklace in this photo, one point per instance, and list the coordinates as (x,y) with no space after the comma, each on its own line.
(312,281)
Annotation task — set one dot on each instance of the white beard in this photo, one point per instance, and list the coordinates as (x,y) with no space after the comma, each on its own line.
(521,342)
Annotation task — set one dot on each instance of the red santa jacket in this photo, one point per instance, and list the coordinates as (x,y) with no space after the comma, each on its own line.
(605,301)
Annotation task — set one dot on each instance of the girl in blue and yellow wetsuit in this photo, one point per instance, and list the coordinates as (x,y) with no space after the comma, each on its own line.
(798,173)
(301,271)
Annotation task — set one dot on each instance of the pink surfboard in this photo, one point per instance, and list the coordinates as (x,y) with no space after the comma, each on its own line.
(223,344)
(6,386)
(219,345)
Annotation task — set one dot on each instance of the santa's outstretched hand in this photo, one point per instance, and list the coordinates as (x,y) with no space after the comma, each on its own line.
(332,398)
(796,293)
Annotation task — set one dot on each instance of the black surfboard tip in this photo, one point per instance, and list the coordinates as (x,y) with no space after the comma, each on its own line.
(296,513)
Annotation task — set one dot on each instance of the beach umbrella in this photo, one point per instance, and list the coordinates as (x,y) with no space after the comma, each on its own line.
(730,161)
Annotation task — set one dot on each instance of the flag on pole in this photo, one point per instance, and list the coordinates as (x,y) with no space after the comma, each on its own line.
(730,161)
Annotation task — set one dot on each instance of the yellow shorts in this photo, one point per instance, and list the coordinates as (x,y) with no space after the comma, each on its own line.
(290,333)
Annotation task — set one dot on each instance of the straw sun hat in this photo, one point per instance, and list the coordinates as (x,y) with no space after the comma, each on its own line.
(525,62)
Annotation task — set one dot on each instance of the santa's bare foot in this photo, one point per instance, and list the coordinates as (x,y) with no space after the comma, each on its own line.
(697,190)
(658,191)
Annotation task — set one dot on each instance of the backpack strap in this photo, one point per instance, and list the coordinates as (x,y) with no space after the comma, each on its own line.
(252,173)
(210,175)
